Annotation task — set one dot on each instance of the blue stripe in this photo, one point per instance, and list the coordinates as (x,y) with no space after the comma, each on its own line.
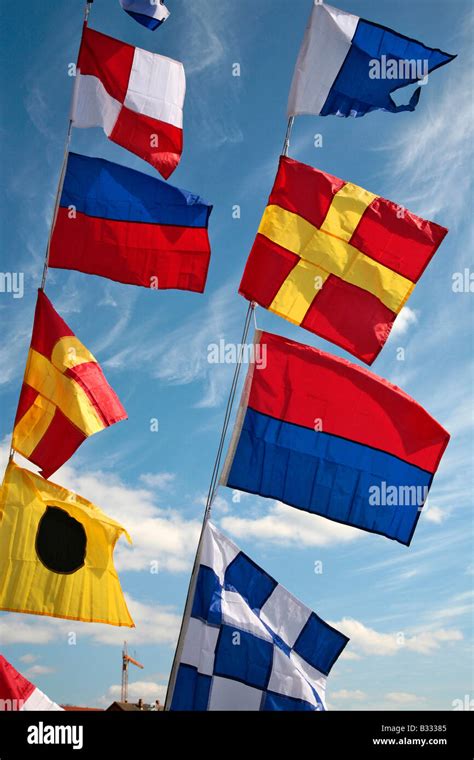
(250,581)
(192,689)
(207,602)
(148,21)
(100,188)
(273,702)
(245,658)
(354,93)
(320,644)
(324,474)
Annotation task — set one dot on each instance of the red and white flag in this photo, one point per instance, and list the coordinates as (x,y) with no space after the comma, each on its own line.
(17,693)
(136,97)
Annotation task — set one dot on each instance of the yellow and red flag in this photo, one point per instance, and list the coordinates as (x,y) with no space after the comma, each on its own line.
(65,397)
(336,259)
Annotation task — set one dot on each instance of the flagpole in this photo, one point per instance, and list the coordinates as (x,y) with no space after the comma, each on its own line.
(286,143)
(62,174)
(59,190)
(213,486)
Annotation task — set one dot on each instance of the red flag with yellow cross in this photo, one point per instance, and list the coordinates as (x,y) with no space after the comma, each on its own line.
(336,259)
(65,397)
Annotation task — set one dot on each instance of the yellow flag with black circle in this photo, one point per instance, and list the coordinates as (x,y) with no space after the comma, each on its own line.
(56,553)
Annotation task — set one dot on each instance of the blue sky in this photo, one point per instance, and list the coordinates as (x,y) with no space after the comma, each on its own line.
(407,611)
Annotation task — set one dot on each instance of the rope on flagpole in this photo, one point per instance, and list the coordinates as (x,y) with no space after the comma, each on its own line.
(213,486)
(62,173)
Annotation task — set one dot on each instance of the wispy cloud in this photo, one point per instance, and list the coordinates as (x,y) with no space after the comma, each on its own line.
(148,691)
(180,357)
(38,670)
(406,319)
(291,527)
(404,698)
(367,641)
(429,162)
(155,624)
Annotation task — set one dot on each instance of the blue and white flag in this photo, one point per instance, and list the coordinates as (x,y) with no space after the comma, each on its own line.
(249,644)
(150,13)
(348,66)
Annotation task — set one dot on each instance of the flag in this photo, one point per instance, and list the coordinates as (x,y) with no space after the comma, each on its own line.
(348,66)
(17,693)
(119,223)
(249,644)
(136,96)
(336,259)
(56,553)
(65,397)
(150,13)
(323,435)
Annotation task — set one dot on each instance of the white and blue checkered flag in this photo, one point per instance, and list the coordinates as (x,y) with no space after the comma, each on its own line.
(249,644)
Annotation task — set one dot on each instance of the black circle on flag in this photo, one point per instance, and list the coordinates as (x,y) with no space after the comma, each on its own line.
(61,541)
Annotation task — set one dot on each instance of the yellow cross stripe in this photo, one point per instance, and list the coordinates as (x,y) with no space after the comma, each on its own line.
(335,256)
(298,291)
(346,211)
(69,352)
(63,392)
(33,425)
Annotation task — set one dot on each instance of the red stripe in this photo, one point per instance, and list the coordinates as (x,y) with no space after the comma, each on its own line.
(304,190)
(157,142)
(57,445)
(48,326)
(107,59)
(102,397)
(27,398)
(405,243)
(132,252)
(267,267)
(300,385)
(12,684)
(351,318)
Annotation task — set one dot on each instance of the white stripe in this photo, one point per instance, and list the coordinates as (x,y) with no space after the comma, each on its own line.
(237,614)
(93,106)
(217,551)
(156,87)
(288,680)
(146,8)
(39,701)
(318,680)
(199,646)
(285,614)
(326,43)
(233,695)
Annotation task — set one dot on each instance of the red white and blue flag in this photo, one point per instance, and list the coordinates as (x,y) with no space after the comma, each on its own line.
(149,13)
(122,224)
(137,98)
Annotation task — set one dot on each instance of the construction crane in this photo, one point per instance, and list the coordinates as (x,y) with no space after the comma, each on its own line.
(126,659)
